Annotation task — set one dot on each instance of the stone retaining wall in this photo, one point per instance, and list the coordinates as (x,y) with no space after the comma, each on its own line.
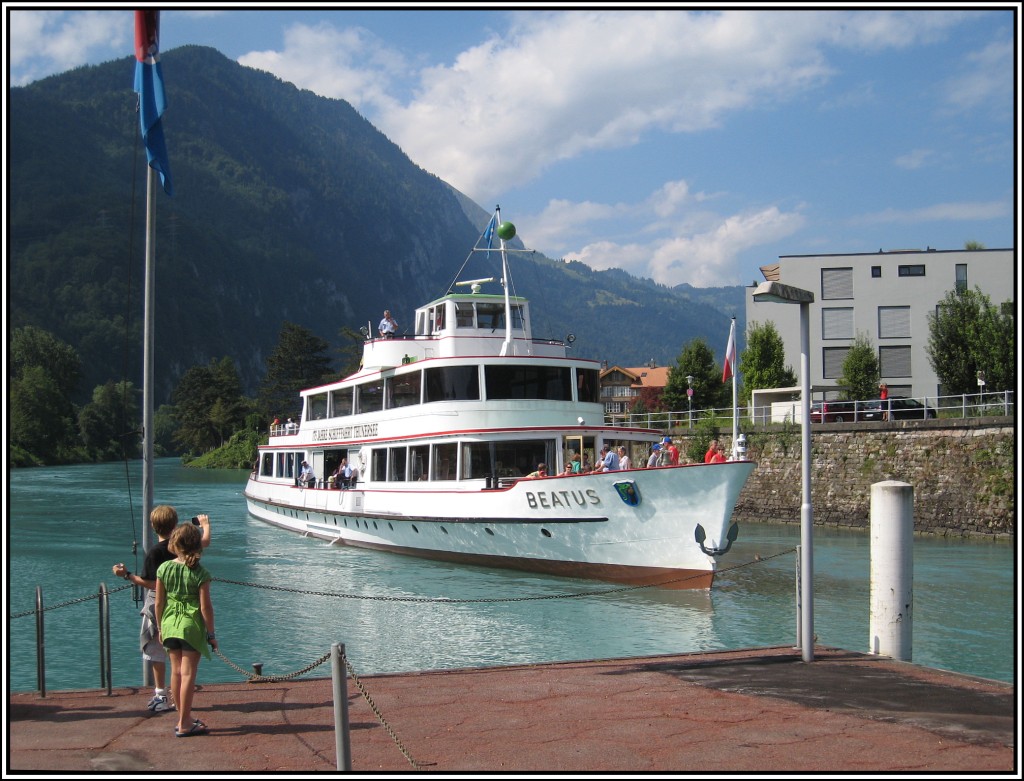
(962,471)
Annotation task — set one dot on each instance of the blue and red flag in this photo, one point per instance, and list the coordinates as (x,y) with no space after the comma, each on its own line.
(149,83)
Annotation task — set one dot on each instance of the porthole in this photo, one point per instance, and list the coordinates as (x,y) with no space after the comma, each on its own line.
(374,525)
(415,529)
(390,526)
(489,532)
(444,530)
(545,532)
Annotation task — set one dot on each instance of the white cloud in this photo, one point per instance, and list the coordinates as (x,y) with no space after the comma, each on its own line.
(986,81)
(559,85)
(351,64)
(45,42)
(914,159)
(989,210)
(700,247)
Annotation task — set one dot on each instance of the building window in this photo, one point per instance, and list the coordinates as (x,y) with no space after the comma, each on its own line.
(961,277)
(894,322)
(837,323)
(914,270)
(836,283)
(832,362)
(876,272)
(894,362)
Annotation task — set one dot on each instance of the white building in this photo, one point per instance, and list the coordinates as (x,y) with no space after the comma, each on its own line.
(886,296)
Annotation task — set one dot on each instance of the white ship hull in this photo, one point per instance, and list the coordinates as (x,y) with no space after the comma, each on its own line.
(575,526)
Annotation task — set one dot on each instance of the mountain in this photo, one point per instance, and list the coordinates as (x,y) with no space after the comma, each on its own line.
(286,206)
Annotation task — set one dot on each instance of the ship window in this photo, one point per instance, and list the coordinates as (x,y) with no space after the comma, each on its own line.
(370,397)
(452,383)
(267,465)
(464,314)
(490,316)
(437,318)
(588,385)
(316,407)
(341,402)
(445,458)
(379,464)
(528,382)
(513,458)
(396,471)
(419,460)
(405,389)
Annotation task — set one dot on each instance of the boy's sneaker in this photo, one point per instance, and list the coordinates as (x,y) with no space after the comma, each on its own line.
(159,704)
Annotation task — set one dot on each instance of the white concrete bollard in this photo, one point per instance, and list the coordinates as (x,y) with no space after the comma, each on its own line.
(892,569)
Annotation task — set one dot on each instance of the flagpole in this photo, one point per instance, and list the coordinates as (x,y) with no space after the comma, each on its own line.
(735,405)
(147,359)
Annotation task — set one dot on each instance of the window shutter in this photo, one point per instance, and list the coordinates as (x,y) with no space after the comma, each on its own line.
(832,362)
(894,322)
(837,323)
(836,283)
(894,361)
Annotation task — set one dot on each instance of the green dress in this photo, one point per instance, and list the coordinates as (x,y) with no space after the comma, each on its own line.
(182,618)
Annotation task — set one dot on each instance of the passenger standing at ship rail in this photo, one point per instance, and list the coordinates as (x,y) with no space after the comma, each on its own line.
(163,519)
(388,327)
(609,460)
(307,476)
(542,471)
(671,451)
(575,463)
(655,455)
(712,449)
(623,459)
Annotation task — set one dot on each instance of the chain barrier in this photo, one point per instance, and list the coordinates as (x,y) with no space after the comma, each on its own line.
(75,601)
(258,678)
(380,716)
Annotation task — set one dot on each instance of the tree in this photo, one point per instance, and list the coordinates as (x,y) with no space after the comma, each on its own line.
(208,405)
(860,370)
(299,361)
(350,351)
(967,334)
(762,363)
(107,424)
(44,377)
(709,391)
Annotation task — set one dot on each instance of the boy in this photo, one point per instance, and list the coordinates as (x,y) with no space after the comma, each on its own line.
(163,519)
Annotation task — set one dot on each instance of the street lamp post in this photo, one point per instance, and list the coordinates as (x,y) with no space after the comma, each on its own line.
(689,400)
(776,292)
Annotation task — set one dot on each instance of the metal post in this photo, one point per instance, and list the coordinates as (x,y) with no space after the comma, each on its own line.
(342,747)
(40,645)
(892,569)
(796,596)
(806,516)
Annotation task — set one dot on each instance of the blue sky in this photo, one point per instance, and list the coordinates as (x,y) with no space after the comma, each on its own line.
(683,144)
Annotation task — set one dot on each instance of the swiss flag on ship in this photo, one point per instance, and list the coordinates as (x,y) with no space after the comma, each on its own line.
(730,354)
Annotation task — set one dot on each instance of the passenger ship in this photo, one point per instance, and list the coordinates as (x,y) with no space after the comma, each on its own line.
(443,428)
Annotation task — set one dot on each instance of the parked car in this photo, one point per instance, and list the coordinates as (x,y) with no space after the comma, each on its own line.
(900,408)
(837,411)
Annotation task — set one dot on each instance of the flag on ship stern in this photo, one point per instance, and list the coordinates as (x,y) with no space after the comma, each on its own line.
(149,84)
(729,369)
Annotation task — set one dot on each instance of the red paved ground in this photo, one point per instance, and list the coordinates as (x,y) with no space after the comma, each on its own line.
(753,711)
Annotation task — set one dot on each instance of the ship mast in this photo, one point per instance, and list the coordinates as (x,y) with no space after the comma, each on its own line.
(505,231)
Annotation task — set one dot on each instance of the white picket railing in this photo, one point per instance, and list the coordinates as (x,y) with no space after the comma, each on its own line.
(968,405)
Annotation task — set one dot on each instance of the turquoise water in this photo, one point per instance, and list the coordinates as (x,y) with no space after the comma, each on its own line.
(68,526)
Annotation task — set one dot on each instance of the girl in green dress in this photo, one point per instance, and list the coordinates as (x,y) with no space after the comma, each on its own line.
(184,614)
